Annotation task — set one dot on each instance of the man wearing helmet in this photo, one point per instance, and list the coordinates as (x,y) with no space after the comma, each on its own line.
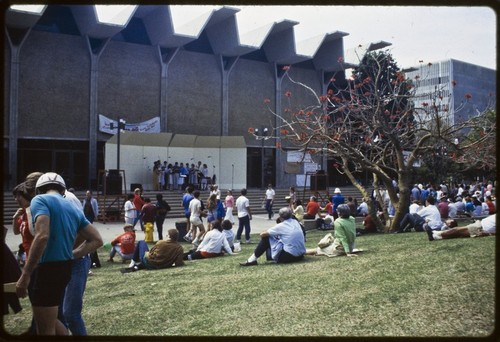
(56,225)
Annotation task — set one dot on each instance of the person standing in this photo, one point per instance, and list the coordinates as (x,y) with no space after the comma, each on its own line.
(229,204)
(195,208)
(269,198)
(283,243)
(186,199)
(91,210)
(148,216)
(129,209)
(162,209)
(244,216)
(138,203)
(337,199)
(51,259)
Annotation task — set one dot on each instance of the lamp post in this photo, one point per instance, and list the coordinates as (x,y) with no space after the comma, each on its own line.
(262,135)
(120,126)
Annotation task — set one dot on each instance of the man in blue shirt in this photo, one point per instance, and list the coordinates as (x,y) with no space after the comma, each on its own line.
(56,225)
(282,243)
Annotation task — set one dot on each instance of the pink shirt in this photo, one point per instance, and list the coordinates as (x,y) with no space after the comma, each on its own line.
(229,201)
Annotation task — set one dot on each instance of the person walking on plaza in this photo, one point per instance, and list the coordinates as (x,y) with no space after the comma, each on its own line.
(195,208)
(49,264)
(269,198)
(162,209)
(283,243)
(244,216)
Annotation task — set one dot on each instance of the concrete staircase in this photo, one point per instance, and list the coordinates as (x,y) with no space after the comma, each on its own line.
(113,204)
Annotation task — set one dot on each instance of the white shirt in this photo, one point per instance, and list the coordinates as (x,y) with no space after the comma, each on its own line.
(270,194)
(213,242)
(242,203)
(414,208)
(194,208)
(432,216)
(130,210)
(489,224)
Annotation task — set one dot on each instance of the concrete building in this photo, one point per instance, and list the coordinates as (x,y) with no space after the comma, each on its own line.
(466,89)
(65,66)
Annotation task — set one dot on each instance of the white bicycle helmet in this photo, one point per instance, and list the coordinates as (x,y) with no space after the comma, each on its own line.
(50,178)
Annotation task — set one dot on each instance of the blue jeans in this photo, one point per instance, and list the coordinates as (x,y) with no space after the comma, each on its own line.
(269,208)
(73,297)
(243,222)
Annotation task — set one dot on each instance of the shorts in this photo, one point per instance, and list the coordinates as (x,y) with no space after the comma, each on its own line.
(50,282)
(474,228)
(196,221)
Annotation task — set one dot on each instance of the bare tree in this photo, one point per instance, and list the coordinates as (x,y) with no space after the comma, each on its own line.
(369,122)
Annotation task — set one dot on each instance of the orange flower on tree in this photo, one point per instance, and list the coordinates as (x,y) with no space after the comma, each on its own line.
(251,130)
(267,101)
(468,96)
(288,93)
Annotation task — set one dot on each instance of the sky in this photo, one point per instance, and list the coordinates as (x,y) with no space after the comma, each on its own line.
(428,34)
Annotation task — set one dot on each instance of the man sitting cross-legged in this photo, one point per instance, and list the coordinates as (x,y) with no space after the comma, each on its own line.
(282,243)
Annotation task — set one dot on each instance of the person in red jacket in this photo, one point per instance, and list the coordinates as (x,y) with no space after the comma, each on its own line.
(312,208)
(138,203)
(124,244)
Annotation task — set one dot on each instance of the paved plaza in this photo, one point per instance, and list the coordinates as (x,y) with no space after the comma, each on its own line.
(110,230)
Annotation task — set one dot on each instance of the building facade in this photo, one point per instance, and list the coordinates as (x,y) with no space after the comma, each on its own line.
(64,67)
(466,89)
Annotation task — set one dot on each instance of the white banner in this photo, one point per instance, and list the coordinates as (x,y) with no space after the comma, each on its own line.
(149,126)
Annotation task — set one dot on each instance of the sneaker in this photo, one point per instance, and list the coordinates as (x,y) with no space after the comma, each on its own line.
(246,263)
(187,238)
(132,263)
(248,241)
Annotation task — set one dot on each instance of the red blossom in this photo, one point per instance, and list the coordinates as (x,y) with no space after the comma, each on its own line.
(386,112)
(286,68)
(468,96)
(301,112)
(323,98)
(251,130)
(278,145)
(340,59)
(267,101)
(284,131)
(367,93)
(425,104)
(288,93)
(453,83)
(309,113)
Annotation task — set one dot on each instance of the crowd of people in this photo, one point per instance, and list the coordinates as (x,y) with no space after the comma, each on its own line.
(176,176)
(47,208)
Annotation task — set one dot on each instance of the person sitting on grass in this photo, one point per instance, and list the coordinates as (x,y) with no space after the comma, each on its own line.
(164,254)
(123,244)
(213,245)
(227,227)
(429,216)
(343,239)
(283,243)
(484,227)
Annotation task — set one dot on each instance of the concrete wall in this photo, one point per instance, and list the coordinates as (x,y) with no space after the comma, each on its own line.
(54,87)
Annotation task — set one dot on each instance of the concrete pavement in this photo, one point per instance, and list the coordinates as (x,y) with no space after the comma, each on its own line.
(110,230)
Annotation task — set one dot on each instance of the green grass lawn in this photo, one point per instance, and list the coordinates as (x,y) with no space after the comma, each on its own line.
(401,285)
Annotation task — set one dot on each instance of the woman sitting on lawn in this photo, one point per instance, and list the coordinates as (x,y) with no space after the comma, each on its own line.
(343,239)
(213,245)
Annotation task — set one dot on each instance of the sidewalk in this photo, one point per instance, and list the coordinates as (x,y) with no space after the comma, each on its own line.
(110,230)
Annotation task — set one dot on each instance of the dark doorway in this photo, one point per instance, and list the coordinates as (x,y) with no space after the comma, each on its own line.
(261,168)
